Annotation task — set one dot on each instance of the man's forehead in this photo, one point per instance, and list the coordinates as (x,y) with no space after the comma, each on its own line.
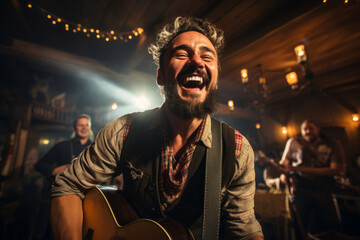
(190,38)
(308,125)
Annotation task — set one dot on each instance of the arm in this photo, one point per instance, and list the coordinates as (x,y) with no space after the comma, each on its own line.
(96,164)
(66,217)
(334,170)
(59,169)
(238,217)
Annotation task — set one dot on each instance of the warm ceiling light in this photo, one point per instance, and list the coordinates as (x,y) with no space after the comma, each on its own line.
(84,30)
(231,105)
(97,31)
(97,36)
(300,53)
(355,117)
(74,30)
(114,37)
(284,130)
(130,37)
(107,39)
(244,76)
(29,5)
(91,30)
(112,32)
(67,25)
(257,126)
(53,22)
(49,16)
(292,79)
(59,19)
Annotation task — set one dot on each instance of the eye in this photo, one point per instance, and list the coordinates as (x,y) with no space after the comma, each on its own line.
(207,57)
(181,54)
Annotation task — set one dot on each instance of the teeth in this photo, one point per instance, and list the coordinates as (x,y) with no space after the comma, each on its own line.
(195,78)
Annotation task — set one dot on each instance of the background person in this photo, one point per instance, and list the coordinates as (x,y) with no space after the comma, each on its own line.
(315,160)
(55,161)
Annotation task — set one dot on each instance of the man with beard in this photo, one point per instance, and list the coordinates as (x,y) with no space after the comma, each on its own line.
(315,160)
(161,152)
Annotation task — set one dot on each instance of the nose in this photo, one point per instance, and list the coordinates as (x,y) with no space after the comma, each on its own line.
(197,61)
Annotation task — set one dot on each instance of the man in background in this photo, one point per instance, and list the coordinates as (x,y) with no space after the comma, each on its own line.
(61,154)
(315,160)
(56,160)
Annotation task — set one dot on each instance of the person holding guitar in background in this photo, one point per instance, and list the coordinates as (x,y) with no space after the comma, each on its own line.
(162,152)
(314,160)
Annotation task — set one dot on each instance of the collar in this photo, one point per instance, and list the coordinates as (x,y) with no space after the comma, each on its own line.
(160,120)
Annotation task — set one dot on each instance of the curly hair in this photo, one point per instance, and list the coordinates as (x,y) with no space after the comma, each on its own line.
(181,25)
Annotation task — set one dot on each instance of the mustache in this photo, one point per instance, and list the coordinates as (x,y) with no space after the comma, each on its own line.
(193,70)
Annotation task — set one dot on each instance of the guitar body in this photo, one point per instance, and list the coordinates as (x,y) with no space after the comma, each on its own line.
(108,216)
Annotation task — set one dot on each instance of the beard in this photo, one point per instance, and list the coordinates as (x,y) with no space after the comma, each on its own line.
(191,109)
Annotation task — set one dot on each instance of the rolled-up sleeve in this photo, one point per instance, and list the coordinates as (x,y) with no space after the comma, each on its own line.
(238,217)
(95,165)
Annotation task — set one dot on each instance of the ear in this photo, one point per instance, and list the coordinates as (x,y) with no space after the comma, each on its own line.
(159,77)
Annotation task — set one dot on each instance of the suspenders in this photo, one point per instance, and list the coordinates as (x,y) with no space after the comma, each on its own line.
(212,191)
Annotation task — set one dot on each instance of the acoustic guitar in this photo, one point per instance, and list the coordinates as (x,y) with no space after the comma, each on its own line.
(108,216)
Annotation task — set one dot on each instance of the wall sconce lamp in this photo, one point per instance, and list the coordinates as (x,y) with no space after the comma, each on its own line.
(300,53)
(244,76)
(302,58)
(262,80)
(257,126)
(355,117)
(231,105)
(292,80)
(284,130)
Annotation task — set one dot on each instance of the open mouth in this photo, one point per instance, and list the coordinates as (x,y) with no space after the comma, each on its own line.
(193,82)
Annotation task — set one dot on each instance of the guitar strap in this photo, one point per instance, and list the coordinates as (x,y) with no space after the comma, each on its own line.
(212,190)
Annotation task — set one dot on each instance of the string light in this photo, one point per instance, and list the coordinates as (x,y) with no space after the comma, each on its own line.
(88,30)
(345,1)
